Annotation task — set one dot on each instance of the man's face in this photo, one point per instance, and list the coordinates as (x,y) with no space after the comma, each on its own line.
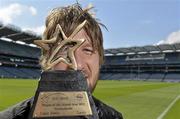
(87,60)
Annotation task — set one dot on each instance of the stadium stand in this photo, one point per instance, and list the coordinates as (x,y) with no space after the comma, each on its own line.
(18,60)
(148,63)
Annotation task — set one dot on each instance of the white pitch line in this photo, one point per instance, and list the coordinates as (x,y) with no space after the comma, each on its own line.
(169,106)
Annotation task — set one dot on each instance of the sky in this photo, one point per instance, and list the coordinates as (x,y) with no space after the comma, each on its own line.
(130,22)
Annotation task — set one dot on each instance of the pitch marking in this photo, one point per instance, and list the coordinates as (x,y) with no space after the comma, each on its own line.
(169,106)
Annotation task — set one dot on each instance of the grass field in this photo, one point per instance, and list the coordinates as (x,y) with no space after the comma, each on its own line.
(135,99)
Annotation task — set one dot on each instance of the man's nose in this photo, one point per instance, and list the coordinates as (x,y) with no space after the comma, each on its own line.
(80,61)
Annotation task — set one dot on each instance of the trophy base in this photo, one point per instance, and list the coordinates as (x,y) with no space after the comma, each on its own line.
(63,95)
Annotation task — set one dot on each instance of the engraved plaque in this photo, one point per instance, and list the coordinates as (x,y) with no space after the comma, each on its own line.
(62,103)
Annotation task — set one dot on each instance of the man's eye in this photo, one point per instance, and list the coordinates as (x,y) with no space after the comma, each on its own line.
(88,51)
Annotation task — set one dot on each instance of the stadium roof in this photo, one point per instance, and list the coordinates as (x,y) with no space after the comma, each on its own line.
(16,34)
(144,49)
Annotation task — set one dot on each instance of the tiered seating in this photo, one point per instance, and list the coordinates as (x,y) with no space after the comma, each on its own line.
(19,61)
(33,73)
(18,50)
(143,76)
(117,76)
(4,73)
(148,67)
(14,72)
(114,59)
(156,77)
(171,77)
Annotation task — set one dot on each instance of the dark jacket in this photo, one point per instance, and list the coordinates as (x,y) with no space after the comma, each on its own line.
(22,109)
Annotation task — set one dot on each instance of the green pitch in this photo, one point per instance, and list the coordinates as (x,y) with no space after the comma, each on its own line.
(135,99)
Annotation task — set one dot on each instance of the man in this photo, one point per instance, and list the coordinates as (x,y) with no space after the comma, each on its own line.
(89,56)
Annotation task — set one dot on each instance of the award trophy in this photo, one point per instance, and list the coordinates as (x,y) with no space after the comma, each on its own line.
(62,94)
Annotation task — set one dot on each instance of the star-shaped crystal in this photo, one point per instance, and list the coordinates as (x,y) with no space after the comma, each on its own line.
(64,52)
